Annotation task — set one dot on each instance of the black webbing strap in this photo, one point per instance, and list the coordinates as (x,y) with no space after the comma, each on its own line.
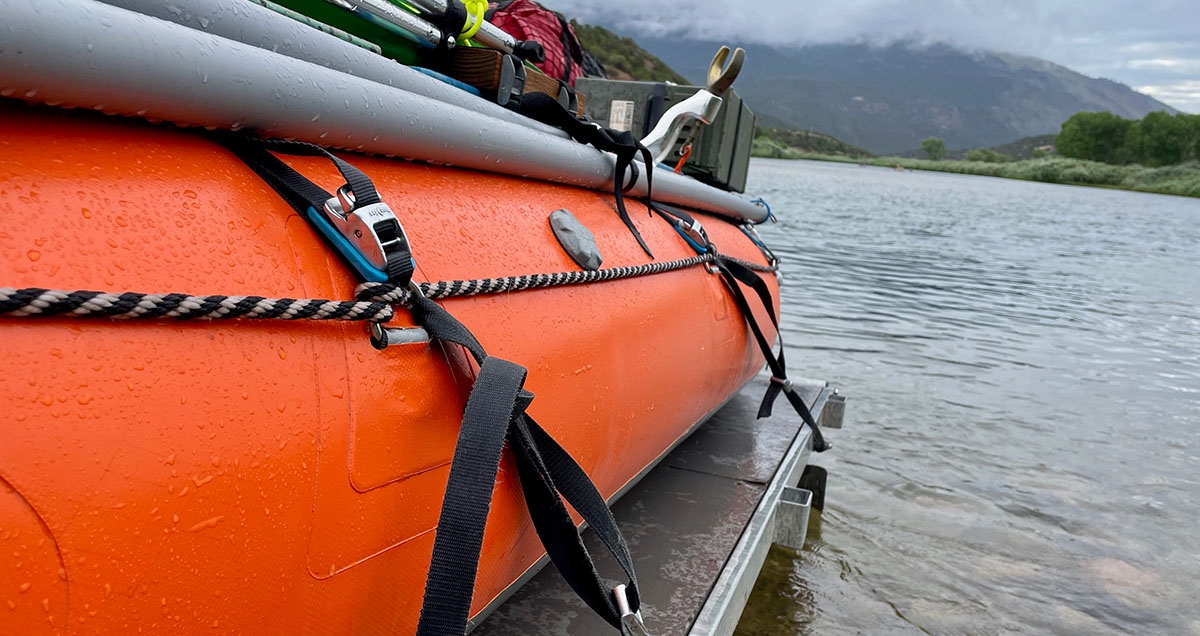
(495,399)
(623,144)
(686,225)
(299,191)
(291,185)
(733,273)
(495,412)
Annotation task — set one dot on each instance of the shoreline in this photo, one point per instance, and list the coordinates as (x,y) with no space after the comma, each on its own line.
(1177,180)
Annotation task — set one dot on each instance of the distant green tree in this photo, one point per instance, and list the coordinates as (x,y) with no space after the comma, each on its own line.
(1187,131)
(1160,139)
(1155,140)
(934,148)
(1093,136)
(1040,153)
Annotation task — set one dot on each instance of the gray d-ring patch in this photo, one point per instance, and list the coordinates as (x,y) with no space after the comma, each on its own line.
(576,240)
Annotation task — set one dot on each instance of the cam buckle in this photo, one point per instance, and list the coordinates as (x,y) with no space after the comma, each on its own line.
(631,621)
(373,231)
(694,234)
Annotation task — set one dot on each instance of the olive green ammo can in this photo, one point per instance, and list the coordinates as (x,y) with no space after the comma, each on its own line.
(721,152)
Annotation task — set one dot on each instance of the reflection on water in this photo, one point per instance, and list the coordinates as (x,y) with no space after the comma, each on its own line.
(1022,449)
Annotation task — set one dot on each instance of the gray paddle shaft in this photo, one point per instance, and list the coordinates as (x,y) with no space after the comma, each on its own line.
(257,26)
(86,54)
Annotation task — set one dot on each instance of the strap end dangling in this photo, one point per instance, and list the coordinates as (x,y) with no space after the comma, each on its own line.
(631,621)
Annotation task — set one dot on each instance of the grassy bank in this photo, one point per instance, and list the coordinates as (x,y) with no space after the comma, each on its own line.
(1182,179)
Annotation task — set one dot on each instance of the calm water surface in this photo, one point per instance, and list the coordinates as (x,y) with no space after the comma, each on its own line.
(1022,448)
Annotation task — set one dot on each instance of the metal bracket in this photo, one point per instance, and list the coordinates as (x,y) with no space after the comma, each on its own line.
(511,85)
(702,107)
(384,337)
(834,411)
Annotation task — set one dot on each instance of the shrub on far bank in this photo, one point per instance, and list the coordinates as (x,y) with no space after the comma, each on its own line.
(771,149)
(1182,179)
(987,156)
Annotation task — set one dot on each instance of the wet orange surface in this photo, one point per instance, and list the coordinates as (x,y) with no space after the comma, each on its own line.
(286,477)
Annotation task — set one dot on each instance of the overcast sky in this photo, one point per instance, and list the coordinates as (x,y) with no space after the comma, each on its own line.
(1151,45)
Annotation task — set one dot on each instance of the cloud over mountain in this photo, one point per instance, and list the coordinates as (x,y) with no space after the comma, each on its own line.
(1153,45)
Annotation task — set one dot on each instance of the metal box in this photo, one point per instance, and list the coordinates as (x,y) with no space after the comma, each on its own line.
(721,153)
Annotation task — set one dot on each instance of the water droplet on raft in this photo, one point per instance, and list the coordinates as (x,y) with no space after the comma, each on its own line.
(87,214)
(33,255)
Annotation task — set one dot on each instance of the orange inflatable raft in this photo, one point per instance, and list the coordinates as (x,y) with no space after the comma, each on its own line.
(261,476)
(275,466)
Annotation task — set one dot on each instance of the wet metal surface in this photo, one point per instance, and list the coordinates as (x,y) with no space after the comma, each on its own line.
(681,521)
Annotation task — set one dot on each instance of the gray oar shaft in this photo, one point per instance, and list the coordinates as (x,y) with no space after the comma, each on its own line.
(86,54)
(260,27)
(398,21)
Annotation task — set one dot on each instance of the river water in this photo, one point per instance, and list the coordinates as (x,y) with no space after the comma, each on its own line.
(1022,444)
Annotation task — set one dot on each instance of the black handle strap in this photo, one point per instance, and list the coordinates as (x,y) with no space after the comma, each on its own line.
(623,144)
(495,412)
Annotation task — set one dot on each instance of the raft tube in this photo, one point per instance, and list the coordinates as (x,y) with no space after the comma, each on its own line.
(263,28)
(270,477)
(81,53)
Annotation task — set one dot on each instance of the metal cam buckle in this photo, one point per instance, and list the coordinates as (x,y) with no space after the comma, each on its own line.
(631,621)
(373,229)
(694,231)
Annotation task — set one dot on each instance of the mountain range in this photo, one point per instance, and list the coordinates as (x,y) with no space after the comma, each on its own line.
(886,99)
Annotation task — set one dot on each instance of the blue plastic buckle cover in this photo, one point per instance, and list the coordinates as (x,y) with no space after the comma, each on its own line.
(369,238)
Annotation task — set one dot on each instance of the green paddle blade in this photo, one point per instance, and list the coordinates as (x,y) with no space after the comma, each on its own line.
(391,44)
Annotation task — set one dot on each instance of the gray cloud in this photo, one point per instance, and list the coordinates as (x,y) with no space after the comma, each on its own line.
(1152,45)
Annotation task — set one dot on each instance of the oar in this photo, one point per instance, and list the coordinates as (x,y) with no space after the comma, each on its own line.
(424,30)
(488,34)
(395,20)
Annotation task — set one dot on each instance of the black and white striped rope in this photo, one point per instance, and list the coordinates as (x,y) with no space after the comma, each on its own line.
(51,302)
(375,301)
(386,292)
